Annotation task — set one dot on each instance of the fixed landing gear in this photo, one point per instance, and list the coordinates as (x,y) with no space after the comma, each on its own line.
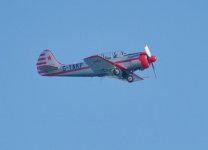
(123,74)
(130,78)
(116,72)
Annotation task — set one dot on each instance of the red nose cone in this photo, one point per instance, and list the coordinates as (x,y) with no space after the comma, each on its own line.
(153,59)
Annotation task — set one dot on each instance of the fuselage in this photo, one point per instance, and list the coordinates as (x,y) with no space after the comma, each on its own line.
(81,69)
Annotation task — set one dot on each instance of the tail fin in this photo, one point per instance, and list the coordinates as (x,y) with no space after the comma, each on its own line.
(47,62)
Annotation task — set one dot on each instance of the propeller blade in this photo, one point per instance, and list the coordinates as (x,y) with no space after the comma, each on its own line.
(146,48)
(153,67)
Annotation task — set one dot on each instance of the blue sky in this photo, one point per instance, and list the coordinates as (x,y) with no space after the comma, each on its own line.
(42,113)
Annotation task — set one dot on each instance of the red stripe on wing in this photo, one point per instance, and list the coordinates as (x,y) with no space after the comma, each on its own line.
(138,76)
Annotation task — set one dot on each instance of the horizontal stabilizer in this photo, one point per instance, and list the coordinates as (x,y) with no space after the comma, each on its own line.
(47,68)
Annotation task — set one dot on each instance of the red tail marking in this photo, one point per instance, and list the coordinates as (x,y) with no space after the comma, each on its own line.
(54,57)
(49,57)
(42,54)
(42,63)
(41,59)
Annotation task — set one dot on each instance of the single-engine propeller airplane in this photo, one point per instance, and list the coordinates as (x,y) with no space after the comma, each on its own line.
(117,64)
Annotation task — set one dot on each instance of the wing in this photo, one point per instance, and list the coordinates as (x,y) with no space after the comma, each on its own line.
(101,65)
(104,66)
(137,77)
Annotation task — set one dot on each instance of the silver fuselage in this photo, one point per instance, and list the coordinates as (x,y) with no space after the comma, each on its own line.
(81,69)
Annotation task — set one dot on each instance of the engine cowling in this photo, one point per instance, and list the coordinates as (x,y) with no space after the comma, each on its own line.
(146,61)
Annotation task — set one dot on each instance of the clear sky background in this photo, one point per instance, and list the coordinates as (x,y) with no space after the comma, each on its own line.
(49,113)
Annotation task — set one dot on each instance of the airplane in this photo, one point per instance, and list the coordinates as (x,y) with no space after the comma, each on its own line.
(117,64)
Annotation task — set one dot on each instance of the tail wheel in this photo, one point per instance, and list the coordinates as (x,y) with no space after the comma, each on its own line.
(130,78)
(116,71)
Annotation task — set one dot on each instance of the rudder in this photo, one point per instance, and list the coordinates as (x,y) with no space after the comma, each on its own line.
(47,62)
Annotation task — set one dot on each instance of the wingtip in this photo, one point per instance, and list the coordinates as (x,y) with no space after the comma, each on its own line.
(141,78)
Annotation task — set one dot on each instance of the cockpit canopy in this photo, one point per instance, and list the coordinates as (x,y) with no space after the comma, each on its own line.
(115,54)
